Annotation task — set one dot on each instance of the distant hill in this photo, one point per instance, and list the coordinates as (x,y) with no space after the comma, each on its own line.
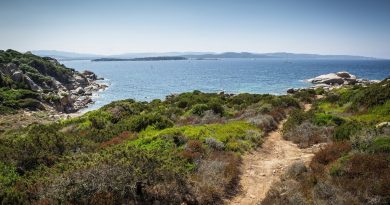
(158,58)
(278,55)
(229,55)
(156,54)
(61,55)
(316,56)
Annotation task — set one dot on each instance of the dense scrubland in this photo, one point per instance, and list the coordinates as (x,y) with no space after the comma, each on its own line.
(354,167)
(186,148)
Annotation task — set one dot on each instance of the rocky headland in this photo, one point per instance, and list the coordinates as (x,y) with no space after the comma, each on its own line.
(34,83)
(334,80)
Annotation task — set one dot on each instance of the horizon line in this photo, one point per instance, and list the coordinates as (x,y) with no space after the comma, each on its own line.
(204,52)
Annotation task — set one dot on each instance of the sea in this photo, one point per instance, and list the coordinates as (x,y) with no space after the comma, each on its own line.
(148,80)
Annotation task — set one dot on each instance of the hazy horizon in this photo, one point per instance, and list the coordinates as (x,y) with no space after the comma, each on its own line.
(110,28)
(174,53)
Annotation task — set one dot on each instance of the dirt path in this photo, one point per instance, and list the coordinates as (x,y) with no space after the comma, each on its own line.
(264,166)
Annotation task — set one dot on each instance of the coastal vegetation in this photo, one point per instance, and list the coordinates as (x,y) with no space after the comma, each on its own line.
(186,148)
(354,166)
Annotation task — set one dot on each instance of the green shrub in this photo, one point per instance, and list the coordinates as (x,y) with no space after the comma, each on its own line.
(380,145)
(306,95)
(28,69)
(199,109)
(320,91)
(216,107)
(235,132)
(99,119)
(337,168)
(346,130)
(141,122)
(296,118)
(36,145)
(372,95)
(31,104)
(323,119)
(332,98)
(8,176)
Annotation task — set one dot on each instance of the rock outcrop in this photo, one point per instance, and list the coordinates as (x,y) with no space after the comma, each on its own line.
(338,78)
(334,80)
(64,89)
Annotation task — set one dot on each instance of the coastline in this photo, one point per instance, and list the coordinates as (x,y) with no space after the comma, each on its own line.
(81,101)
(23,118)
(319,82)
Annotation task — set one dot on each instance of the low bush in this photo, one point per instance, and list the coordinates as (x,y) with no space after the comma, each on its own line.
(376,94)
(296,170)
(31,104)
(40,145)
(216,177)
(307,134)
(199,109)
(284,192)
(296,118)
(366,176)
(150,172)
(141,122)
(214,144)
(306,95)
(346,130)
(232,134)
(216,107)
(193,150)
(264,122)
(322,119)
(380,145)
(13,99)
(329,154)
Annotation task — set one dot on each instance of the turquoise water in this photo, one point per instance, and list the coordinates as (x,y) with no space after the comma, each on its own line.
(147,80)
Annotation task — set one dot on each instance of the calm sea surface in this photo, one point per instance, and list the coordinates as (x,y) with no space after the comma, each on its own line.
(147,80)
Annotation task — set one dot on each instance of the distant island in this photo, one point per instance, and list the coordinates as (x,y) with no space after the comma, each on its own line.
(63,56)
(158,58)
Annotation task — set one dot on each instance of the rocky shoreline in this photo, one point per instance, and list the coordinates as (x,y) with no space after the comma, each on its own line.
(77,94)
(32,83)
(332,81)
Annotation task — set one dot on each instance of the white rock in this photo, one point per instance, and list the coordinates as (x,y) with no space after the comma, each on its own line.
(17,76)
(80,90)
(383,124)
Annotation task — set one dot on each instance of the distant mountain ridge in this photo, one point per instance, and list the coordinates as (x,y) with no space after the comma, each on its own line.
(159,58)
(61,55)
(64,55)
(278,55)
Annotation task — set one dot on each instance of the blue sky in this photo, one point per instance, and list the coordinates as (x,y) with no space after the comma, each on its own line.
(113,27)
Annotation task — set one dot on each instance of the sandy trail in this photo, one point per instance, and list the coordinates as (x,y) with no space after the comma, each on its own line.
(263,167)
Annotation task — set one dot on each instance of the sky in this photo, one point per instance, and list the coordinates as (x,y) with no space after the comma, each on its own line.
(353,27)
